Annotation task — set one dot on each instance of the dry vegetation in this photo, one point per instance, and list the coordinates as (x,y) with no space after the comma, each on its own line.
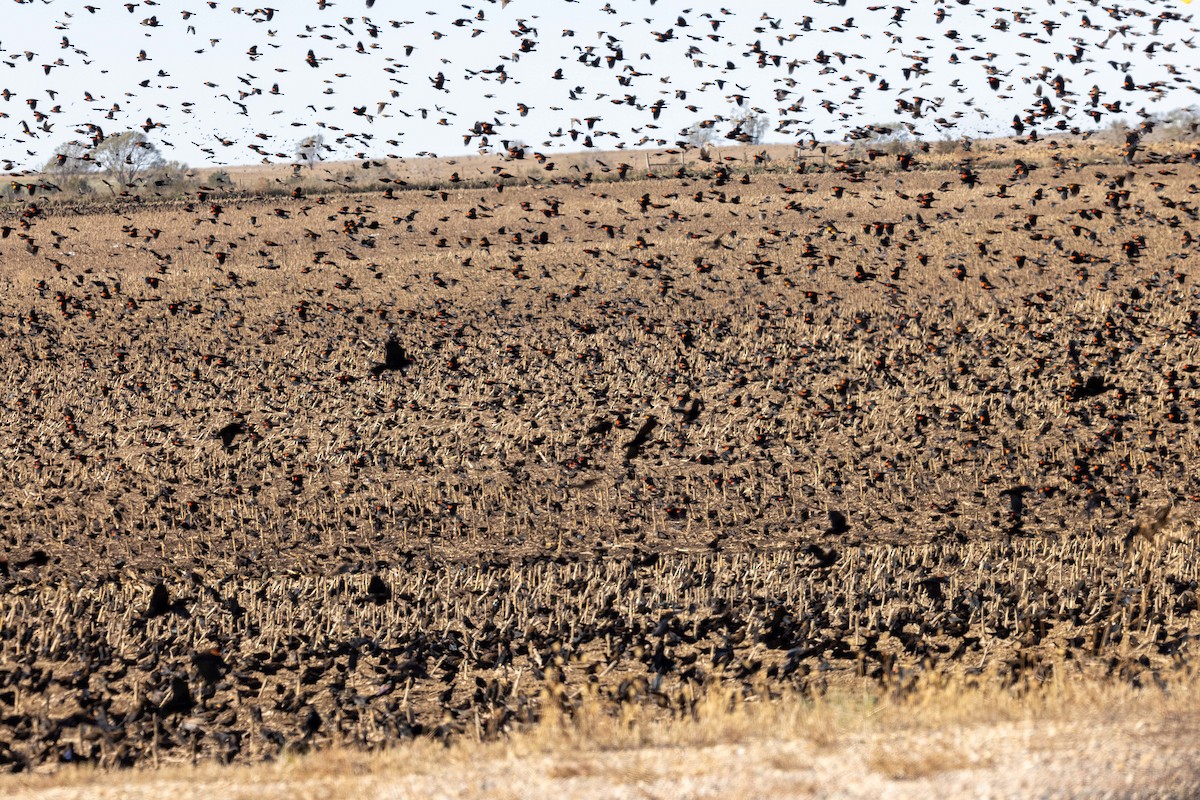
(1063,738)
(768,432)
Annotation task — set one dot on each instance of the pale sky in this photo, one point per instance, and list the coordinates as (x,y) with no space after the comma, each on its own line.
(211,99)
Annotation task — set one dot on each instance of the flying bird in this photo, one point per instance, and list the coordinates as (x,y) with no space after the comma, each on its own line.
(394,358)
(634,447)
(228,433)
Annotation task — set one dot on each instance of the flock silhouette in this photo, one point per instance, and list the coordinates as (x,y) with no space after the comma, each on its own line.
(949,70)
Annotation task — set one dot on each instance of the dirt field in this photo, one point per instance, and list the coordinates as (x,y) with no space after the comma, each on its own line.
(868,428)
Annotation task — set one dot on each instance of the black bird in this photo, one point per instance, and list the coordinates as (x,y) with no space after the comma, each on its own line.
(393,358)
(933,586)
(38,559)
(837,523)
(209,665)
(1016,499)
(825,558)
(690,411)
(180,699)
(227,434)
(600,427)
(160,601)
(634,448)
(1149,530)
(378,590)
(312,720)
(1094,386)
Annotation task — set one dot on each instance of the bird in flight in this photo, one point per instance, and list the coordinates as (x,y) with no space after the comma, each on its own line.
(394,358)
(634,448)
(230,432)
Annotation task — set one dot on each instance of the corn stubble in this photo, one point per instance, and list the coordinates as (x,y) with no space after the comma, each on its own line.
(297,473)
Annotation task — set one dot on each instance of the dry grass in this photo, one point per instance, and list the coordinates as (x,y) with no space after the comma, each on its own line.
(915,741)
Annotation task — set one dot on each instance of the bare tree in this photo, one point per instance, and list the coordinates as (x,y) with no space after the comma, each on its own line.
(125,156)
(700,134)
(70,158)
(309,150)
(755,125)
(750,128)
(1181,123)
(513,148)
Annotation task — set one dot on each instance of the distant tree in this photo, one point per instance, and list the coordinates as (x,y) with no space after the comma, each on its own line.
(888,138)
(947,145)
(1116,129)
(220,179)
(70,165)
(750,127)
(70,158)
(510,148)
(1181,123)
(170,177)
(125,156)
(309,150)
(882,134)
(700,134)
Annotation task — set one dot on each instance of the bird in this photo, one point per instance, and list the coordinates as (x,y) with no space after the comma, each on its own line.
(633,448)
(600,427)
(229,432)
(394,358)
(1149,529)
(824,559)
(160,601)
(1016,499)
(1094,386)
(209,664)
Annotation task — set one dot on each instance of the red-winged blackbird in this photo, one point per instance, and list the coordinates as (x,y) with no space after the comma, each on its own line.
(1092,387)
(600,428)
(160,601)
(825,558)
(209,665)
(1016,499)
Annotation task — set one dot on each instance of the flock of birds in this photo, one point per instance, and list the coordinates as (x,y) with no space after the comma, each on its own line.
(316,467)
(946,70)
(213,459)
(225,668)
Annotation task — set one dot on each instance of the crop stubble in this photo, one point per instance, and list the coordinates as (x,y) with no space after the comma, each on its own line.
(445,549)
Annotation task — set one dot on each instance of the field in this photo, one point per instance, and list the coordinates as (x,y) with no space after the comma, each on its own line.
(748,428)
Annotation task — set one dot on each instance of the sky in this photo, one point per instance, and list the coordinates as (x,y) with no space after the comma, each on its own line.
(214,83)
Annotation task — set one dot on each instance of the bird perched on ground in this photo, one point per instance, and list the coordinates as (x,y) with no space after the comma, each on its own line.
(824,558)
